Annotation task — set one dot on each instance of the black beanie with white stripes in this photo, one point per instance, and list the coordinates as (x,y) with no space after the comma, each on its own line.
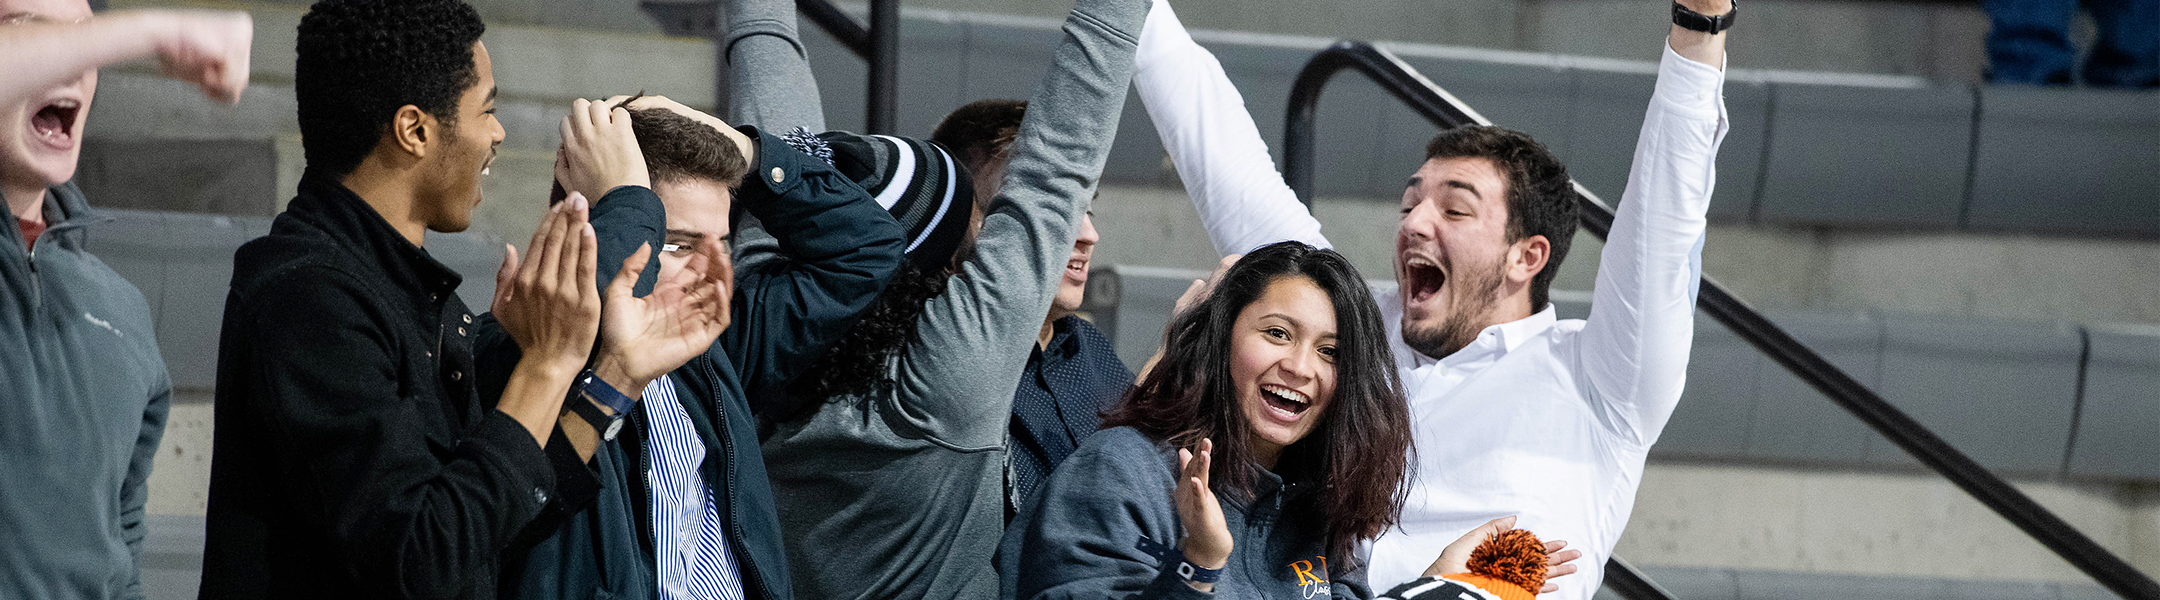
(920,183)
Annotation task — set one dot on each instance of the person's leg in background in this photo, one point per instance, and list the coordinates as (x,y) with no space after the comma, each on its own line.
(2127,52)
(2029,41)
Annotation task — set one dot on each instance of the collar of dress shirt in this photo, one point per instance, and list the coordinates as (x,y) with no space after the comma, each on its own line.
(1500,339)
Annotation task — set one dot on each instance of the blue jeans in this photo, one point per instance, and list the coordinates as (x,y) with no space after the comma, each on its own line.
(2030,42)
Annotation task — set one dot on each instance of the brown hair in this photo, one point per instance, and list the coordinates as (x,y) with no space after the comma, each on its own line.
(678,148)
(1540,197)
(982,131)
(1358,455)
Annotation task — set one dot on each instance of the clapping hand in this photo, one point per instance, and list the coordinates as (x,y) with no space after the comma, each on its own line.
(1207,537)
(548,302)
(642,339)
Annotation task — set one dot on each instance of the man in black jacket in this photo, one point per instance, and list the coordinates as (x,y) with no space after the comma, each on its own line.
(684,484)
(354,457)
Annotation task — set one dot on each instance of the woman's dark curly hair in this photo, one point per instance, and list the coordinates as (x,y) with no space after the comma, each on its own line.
(1359,454)
(361,60)
(857,363)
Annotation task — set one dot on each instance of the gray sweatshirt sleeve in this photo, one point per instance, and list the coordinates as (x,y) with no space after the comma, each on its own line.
(135,492)
(971,342)
(770,87)
(769,79)
(1078,536)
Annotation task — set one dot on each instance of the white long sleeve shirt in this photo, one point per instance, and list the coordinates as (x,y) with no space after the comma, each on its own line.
(1543,418)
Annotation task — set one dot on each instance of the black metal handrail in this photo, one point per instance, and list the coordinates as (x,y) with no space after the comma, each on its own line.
(879,44)
(1446,111)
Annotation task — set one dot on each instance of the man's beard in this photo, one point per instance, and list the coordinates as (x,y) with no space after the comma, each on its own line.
(1464,316)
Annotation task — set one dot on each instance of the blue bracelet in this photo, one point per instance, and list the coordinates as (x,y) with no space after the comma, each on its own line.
(1185,568)
(603,393)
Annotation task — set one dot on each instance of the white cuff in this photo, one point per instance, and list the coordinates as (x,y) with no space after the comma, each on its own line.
(1690,88)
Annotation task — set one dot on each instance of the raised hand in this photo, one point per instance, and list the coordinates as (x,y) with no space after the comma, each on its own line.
(642,339)
(207,48)
(599,150)
(548,302)
(1207,537)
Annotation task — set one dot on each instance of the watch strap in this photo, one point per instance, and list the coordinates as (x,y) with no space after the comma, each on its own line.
(608,425)
(1172,558)
(1690,20)
(592,385)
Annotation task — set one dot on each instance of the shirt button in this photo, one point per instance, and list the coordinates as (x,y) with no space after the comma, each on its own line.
(540,495)
(468,318)
(430,354)
(457,375)
(461,331)
(778,174)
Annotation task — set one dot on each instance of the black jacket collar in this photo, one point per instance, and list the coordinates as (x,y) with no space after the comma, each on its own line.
(326,206)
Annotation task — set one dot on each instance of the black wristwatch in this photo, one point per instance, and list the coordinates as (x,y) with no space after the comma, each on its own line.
(1695,21)
(589,385)
(608,425)
(1171,558)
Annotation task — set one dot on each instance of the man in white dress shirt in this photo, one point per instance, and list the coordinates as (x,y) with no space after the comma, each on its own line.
(1516,411)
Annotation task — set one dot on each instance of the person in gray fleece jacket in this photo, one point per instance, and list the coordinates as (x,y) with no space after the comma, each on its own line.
(898,492)
(1268,440)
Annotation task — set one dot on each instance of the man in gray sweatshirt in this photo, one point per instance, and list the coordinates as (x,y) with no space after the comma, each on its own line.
(85,388)
(900,492)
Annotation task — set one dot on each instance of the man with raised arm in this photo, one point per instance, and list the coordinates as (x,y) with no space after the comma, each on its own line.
(86,388)
(1515,411)
(891,470)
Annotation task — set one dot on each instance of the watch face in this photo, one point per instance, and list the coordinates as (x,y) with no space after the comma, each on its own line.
(613,428)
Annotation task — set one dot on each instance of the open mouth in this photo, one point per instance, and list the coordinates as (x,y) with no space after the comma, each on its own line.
(1285,402)
(1422,279)
(55,123)
(1077,269)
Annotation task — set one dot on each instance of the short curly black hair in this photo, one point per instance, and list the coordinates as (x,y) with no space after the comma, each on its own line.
(1540,198)
(362,60)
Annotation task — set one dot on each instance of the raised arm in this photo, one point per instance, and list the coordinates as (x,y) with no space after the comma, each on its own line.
(769,80)
(831,250)
(1212,140)
(206,48)
(1635,346)
(972,341)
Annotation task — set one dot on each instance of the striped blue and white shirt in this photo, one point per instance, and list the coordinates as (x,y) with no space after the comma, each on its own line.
(695,561)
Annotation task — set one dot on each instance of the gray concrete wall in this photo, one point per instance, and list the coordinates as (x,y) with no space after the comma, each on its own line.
(1939,40)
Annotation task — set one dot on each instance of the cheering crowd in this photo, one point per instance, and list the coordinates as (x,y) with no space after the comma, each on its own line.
(751,358)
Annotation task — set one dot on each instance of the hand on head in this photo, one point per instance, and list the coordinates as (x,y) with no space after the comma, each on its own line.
(599,151)
(643,102)
(1201,288)
(548,301)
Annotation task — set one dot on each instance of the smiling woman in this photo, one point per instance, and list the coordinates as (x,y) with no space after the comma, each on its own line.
(1279,388)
